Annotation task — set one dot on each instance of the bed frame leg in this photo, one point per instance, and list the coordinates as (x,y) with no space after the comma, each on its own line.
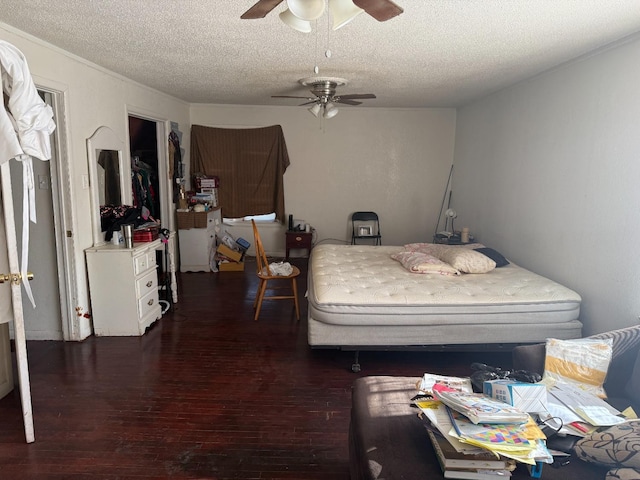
(355,368)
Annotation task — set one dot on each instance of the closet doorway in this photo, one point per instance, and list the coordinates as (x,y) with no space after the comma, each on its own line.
(145,177)
(150,180)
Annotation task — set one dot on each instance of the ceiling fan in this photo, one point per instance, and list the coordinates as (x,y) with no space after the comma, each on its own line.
(325,95)
(381,10)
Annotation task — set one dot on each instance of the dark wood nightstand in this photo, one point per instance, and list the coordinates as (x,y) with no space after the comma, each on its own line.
(298,240)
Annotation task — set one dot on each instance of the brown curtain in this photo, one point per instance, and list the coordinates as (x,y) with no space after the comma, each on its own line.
(250,164)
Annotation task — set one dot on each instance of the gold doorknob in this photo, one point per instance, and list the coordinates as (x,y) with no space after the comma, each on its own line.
(15,278)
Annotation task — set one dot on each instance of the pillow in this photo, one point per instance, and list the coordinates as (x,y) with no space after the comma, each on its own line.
(493,255)
(428,248)
(467,261)
(418,262)
(622,474)
(617,446)
(632,389)
(583,363)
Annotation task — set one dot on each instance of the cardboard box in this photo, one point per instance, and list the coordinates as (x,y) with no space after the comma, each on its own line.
(233,255)
(528,397)
(231,266)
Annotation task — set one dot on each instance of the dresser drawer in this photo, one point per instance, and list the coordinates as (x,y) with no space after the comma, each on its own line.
(144,262)
(146,283)
(148,303)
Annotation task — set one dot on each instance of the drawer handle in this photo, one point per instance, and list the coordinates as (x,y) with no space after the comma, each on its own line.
(298,239)
(149,283)
(150,302)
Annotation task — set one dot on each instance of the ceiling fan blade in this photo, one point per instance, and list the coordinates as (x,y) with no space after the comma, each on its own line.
(347,101)
(289,96)
(260,9)
(351,96)
(381,10)
(308,103)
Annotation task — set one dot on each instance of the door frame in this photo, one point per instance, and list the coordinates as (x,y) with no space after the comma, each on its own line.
(61,189)
(163,127)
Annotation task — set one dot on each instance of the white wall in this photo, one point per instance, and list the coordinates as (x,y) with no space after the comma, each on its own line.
(392,161)
(93,97)
(548,172)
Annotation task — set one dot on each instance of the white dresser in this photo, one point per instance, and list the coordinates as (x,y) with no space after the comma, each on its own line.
(196,244)
(123,284)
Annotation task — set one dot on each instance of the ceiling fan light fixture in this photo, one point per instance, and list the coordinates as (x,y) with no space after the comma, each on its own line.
(294,22)
(306,9)
(343,11)
(330,110)
(315,109)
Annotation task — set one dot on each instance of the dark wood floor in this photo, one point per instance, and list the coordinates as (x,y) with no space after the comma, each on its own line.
(206,393)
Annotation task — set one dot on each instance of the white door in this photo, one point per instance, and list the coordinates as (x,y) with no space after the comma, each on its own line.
(47,243)
(14,283)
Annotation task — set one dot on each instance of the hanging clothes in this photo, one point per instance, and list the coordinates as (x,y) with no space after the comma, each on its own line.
(26,124)
(175,163)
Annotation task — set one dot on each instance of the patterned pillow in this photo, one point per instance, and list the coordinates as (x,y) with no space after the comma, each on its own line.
(467,261)
(623,474)
(418,262)
(428,248)
(617,446)
(461,258)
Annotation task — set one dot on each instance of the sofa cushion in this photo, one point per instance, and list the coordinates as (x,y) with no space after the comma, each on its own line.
(632,388)
(617,446)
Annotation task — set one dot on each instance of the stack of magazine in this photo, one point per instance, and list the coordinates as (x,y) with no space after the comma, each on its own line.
(466,465)
(477,437)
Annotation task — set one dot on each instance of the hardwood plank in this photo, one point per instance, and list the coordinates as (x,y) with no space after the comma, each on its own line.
(206,393)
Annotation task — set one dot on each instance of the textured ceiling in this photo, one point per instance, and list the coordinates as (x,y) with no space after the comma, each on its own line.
(438,53)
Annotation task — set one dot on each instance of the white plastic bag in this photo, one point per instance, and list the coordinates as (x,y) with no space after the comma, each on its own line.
(281,268)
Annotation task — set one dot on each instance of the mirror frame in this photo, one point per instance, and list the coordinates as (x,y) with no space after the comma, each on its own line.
(102,139)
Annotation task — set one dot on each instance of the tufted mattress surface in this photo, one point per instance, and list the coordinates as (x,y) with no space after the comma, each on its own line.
(361,285)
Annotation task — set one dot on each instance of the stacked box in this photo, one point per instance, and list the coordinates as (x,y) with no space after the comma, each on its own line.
(528,397)
(230,260)
(231,266)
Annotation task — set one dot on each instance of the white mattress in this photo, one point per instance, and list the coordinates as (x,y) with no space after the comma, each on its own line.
(358,295)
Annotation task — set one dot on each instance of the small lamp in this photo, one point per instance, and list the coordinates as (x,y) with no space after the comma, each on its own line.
(306,9)
(315,109)
(295,22)
(343,11)
(330,110)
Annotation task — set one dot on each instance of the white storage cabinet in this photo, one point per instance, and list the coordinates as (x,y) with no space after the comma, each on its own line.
(196,244)
(124,288)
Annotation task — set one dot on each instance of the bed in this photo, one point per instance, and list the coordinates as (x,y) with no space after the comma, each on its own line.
(362,299)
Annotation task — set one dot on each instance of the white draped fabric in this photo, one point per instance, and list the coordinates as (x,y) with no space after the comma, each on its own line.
(25,128)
